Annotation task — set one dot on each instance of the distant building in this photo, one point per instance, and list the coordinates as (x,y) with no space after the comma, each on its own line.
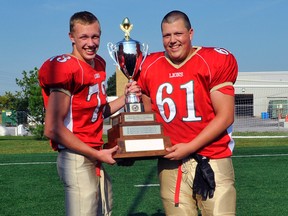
(257,93)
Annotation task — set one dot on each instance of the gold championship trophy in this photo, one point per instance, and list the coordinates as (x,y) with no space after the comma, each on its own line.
(135,132)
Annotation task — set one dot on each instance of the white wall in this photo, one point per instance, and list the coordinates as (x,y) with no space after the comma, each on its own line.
(264,86)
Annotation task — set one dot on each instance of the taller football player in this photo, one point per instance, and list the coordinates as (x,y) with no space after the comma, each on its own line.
(191,90)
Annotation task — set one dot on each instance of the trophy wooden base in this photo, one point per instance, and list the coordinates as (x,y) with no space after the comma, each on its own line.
(138,135)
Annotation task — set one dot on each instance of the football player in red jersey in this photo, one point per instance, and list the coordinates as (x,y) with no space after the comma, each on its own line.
(75,100)
(191,90)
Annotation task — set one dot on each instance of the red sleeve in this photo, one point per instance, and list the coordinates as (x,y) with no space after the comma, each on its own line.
(229,90)
(224,71)
(56,73)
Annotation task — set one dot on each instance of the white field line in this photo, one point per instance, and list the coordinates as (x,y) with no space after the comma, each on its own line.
(238,156)
(262,155)
(259,137)
(147,185)
(26,163)
(234,156)
(144,185)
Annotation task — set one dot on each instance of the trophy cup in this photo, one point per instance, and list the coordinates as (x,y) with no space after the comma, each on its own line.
(135,132)
(129,55)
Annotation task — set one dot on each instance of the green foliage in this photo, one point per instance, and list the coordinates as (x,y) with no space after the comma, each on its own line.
(38,131)
(10,101)
(4,102)
(111,85)
(27,103)
(31,92)
(28,82)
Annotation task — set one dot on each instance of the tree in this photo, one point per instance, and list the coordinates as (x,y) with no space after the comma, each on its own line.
(7,101)
(111,85)
(17,105)
(31,92)
(10,101)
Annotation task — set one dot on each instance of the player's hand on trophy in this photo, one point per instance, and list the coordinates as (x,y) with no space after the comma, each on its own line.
(134,88)
(105,155)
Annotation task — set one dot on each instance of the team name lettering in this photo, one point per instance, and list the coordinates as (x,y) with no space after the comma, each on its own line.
(175,74)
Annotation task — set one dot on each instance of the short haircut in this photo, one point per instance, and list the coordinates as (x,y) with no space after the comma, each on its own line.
(176,15)
(82,17)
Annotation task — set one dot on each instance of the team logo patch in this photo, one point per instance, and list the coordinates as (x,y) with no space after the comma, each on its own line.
(221,51)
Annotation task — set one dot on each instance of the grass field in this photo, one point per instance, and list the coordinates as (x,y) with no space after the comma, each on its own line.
(29,183)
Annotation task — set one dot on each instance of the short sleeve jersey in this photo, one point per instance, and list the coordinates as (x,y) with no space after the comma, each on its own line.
(88,96)
(180,94)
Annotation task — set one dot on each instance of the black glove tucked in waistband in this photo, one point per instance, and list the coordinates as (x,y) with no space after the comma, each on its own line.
(204,181)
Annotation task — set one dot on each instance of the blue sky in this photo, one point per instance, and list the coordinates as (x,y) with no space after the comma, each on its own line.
(255,31)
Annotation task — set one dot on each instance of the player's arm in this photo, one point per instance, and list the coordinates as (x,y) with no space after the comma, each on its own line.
(223,105)
(56,111)
(146,102)
(117,104)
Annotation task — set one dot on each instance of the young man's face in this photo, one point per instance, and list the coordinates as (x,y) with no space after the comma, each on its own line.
(177,40)
(86,40)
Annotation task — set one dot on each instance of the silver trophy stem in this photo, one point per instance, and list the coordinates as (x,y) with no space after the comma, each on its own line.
(132,98)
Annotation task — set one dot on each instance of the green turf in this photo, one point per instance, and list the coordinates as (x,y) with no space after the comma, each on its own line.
(35,189)
(261,185)
(22,145)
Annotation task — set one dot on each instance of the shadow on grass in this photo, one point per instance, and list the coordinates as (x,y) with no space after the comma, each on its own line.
(21,138)
(140,195)
(158,213)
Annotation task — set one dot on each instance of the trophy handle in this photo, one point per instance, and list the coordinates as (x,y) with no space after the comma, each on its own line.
(145,52)
(112,50)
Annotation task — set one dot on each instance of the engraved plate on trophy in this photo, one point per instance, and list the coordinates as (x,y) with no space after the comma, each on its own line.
(137,139)
(136,132)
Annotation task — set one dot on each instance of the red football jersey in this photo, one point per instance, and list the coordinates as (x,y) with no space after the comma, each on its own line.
(88,94)
(180,94)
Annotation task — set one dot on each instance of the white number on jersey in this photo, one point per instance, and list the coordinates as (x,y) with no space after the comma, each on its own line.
(61,59)
(168,117)
(95,90)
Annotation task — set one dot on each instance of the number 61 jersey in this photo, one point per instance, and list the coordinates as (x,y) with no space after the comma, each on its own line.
(180,94)
(86,85)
